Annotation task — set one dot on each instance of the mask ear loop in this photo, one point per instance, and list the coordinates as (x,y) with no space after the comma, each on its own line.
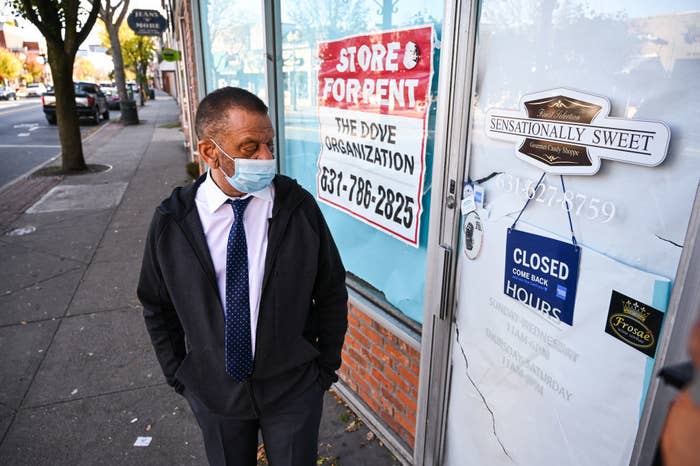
(225,154)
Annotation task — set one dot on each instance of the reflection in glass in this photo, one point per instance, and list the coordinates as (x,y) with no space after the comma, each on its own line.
(234,45)
(392,269)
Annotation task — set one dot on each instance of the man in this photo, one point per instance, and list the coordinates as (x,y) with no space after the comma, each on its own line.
(679,439)
(244,293)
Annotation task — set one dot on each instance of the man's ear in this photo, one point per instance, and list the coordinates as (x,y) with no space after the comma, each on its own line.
(207,150)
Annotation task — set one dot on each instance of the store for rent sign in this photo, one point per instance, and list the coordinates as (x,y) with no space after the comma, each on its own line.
(374,96)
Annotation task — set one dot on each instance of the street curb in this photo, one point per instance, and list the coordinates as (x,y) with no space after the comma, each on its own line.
(47,162)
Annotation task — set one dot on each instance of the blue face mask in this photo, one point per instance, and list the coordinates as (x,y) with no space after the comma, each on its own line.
(250,175)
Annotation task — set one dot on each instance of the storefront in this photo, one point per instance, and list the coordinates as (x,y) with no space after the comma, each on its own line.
(511,187)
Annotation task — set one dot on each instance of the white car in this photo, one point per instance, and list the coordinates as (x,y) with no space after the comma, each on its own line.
(35,89)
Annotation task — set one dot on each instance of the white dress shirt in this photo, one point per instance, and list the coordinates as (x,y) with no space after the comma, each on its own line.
(217,217)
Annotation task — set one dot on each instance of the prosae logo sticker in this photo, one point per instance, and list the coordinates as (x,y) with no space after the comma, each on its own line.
(634,323)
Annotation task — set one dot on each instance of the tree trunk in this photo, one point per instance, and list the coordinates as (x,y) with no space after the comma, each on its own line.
(118,61)
(61,65)
(143,84)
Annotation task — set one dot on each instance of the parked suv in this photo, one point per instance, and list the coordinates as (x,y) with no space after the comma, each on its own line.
(35,89)
(89,100)
(7,94)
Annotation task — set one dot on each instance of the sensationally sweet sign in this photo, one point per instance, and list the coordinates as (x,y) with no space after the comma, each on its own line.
(564,131)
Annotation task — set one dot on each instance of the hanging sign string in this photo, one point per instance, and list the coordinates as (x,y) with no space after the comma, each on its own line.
(529,198)
(568,211)
(565,201)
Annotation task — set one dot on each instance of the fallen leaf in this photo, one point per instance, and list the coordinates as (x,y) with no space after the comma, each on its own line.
(148,428)
(353,426)
(370,436)
(262,458)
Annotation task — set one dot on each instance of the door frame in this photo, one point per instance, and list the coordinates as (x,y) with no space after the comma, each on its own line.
(683,311)
(453,119)
(452,156)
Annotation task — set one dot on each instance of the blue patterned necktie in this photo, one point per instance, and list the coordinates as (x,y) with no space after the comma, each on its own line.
(239,349)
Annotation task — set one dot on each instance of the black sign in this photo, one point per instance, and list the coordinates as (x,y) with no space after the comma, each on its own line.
(634,323)
(147,22)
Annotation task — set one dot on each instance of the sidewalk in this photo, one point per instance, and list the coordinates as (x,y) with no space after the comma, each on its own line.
(79,382)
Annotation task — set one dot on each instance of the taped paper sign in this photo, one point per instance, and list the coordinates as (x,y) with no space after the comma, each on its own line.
(374,96)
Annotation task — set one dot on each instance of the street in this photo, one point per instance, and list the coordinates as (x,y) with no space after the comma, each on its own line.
(27,140)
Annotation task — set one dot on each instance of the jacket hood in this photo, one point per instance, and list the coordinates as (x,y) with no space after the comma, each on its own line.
(288,195)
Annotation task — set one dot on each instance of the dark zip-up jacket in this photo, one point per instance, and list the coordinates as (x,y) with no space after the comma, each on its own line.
(303,307)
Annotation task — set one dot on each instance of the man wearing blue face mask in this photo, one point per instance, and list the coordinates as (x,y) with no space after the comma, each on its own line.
(244,293)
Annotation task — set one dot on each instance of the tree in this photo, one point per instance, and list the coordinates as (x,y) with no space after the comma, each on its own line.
(112,18)
(138,51)
(65,24)
(10,65)
(33,68)
(83,70)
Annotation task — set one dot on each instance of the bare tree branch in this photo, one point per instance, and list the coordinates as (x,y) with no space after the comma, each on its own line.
(123,13)
(48,30)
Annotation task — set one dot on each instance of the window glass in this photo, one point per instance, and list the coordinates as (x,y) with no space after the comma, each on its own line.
(383,263)
(610,70)
(233,45)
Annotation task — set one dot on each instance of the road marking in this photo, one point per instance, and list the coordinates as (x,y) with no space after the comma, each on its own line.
(33,128)
(45,163)
(22,108)
(30,146)
(22,135)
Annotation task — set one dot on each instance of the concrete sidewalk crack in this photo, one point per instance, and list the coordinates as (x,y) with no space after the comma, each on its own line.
(483,398)
(71,220)
(47,253)
(73,316)
(43,280)
(90,397)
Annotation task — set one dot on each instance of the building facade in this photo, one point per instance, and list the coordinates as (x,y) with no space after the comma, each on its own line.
(444,139)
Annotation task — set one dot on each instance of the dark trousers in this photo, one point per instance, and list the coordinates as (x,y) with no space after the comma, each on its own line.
(290,433)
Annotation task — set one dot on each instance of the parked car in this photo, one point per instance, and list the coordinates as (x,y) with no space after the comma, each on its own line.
(89,100)
(112,97)
(35,89)
(7,94)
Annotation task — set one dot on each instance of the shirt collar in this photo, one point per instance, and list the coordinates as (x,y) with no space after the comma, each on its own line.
(214,197)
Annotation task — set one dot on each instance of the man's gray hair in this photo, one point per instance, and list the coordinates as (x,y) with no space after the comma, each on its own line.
(212,110)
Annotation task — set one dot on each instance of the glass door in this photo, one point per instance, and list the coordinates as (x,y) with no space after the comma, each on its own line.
(583,159)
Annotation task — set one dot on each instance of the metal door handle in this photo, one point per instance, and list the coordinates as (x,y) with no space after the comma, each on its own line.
(446,282)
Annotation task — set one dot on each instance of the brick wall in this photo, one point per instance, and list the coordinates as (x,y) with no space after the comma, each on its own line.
(189,107)
(383,371)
